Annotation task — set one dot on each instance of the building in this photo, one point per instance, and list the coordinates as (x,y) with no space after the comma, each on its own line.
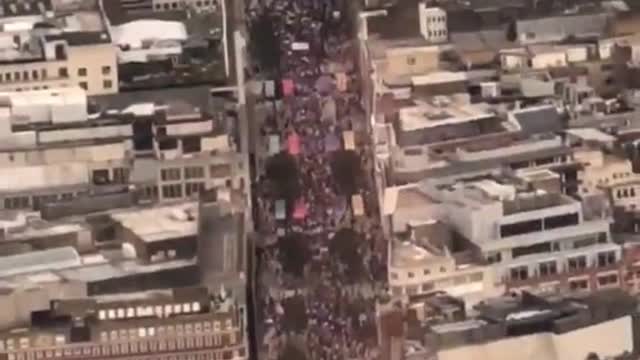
(433,260)
(162,43)
(433,23)
(160,152)
(534,237)
(43,50)
(542,327)
(175,324)
(131,249)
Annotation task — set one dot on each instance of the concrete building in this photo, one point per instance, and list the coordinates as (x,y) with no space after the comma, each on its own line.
(137,248)
(182,323)
(433,23)
(430,260)
(532,326)
(166,43)
(539,327)
(535,237)
(42,50)
(161,152)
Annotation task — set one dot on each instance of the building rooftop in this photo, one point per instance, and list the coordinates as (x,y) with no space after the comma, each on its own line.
(160,223)
(52,259)
(402,21)
(522,315)
(441,111)
(538,119)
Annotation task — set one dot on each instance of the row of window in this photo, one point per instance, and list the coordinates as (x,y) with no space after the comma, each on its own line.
(118,175)
(25,202)
(435,19)
(106,84)
(171,331)
(530,226)
(441,284)
(437,33)
(195,172)
(574,264)
(143,347)
(180,4)
(146,311)
(626,193)
(411,274)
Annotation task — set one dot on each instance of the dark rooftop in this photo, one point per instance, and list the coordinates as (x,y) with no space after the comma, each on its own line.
(78,38)
(402,21)
(540,120)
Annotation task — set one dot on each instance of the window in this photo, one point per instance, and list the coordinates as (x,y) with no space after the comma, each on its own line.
(394,276)
(106,70)
(82,72)
(100,176)
(411,60)
(120,175)
(577,263)
(7,76)
(107,84)
(519,273)
(194,172)
(170,174)
(607,280)
(426,272)
(558,221)
(547,268)
(582,284)
(606,258)
(172,191)
(194,188)
(17,202)
(16,75)
(43,73)
(84,85)
(427,286)
(63,72)
(410,275)
(191,144)
(519,228)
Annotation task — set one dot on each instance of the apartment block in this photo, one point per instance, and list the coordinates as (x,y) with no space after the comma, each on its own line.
(187,323)
(46,49)
(63,150)
(535,237)
(429,260)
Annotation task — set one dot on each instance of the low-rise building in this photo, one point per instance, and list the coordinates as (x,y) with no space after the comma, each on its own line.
(162,151)
(176,324)
(535,237)
(62,47)
(538,327)
(429,261)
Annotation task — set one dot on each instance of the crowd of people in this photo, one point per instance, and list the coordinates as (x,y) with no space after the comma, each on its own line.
(331,304)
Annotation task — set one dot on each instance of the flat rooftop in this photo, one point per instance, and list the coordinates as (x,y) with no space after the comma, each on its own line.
(439,112)
(402,21)
(161,223)
(408,254)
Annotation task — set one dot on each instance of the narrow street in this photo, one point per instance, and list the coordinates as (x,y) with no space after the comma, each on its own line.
(325,264)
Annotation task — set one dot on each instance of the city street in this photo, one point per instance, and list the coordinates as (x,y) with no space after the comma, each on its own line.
(323,258)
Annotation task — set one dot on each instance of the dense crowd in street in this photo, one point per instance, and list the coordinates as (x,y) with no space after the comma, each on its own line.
(320,103)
